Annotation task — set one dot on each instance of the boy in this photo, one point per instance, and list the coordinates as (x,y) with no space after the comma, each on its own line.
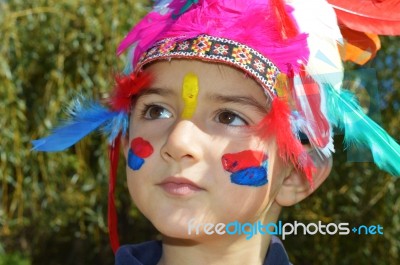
(225,113)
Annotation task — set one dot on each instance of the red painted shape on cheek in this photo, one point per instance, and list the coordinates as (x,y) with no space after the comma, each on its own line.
(141,147)
(242,160)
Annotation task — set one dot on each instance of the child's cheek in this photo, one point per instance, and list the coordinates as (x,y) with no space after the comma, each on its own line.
(139,149)
(249,168)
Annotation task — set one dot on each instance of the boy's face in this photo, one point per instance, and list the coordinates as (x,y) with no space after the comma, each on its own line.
(185,147)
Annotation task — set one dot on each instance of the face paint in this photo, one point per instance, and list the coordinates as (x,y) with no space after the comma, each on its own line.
(190,90)
(245,159)
(139,150)
(141,147)
(248,167)
(134,162)
(252,176)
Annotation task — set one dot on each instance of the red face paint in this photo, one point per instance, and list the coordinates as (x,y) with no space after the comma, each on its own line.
(242,160)
(141,147)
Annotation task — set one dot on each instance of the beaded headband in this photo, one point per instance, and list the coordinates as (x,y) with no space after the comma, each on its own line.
(218,50)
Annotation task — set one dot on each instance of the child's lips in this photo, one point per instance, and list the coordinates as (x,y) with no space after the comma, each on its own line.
(179,186)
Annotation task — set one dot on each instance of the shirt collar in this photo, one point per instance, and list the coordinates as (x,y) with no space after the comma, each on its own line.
(149,253)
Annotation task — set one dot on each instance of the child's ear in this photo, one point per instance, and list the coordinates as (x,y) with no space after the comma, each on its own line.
(125,145)
(295,186)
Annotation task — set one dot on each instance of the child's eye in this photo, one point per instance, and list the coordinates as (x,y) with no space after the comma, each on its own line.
(153,112)
(230,118)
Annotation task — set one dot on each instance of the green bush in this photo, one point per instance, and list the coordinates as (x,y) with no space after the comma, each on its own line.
(15,259)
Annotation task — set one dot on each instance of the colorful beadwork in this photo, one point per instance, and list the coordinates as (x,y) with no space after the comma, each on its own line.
(215,49)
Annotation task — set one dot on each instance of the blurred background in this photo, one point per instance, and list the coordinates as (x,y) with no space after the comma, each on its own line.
(54,205)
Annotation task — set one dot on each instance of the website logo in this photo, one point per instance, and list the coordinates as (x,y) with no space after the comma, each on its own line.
(281,229)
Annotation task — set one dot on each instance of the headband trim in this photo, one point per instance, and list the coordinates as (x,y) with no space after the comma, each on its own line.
(214,49)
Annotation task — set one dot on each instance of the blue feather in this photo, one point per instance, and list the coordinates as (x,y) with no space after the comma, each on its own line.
(129,60)
(162,7)
(345,112)
(185,8)
(86,116)
(118,124)
(188,4)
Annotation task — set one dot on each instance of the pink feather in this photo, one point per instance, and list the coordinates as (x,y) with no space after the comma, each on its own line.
(149,30)
(145,32)
(223,18)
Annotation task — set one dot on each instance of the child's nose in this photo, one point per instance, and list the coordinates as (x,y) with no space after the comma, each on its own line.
(184,142)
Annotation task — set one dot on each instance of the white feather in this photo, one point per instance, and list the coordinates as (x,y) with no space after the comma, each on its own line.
(318,19)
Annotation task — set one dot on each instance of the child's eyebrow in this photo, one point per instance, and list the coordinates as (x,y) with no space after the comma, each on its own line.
(165,92)
(240,99)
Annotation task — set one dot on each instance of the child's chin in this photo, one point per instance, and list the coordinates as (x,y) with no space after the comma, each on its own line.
(179,237)
(181,230)
(173,230)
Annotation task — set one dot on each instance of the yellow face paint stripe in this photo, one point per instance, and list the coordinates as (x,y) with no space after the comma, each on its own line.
(190,91)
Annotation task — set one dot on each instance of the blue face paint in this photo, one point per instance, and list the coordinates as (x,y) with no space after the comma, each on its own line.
(252,176)
(134,162)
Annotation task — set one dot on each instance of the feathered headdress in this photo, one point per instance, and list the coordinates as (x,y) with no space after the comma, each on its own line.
(291,48)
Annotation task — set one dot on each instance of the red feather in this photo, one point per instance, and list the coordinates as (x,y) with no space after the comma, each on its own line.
(308,103)
(276,124)
(372,16)
(112,212)
(288,28)
(126,87)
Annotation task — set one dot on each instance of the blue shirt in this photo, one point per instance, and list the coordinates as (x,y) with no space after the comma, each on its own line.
(149,253)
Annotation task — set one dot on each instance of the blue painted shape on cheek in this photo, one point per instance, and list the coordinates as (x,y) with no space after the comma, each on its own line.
(252,176)
(134,162)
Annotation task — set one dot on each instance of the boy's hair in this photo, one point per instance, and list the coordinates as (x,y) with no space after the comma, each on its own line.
(290,49)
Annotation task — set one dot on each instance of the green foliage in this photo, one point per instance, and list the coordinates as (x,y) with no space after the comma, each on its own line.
(15,259)
(51,51)
(53,206)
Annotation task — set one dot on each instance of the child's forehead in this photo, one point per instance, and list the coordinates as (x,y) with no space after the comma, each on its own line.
(208,73)
(217,82)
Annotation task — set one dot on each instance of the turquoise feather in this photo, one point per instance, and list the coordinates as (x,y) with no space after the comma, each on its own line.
(344,112)
(187,6)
